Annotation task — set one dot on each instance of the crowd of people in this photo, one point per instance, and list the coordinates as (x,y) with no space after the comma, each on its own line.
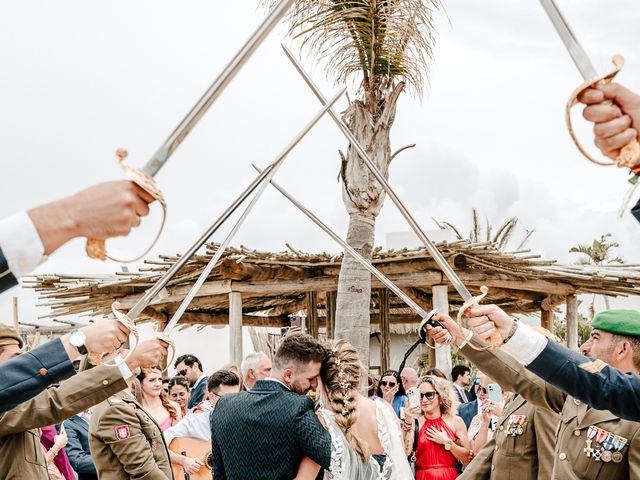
(532,409)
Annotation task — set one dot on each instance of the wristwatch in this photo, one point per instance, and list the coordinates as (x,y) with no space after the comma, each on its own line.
(448,445)
(77,339)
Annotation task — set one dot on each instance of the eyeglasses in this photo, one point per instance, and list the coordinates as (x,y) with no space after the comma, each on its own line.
(384,383)
(183,372)
(428,395)
(481,389)
(217,395)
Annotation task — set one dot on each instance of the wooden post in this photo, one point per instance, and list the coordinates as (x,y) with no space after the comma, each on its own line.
(546,319)
(330,304)
(312,314)
(385,333)
(572,322)
(235,328)
(443,353)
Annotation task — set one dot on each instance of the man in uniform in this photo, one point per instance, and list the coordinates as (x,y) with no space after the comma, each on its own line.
(591,444)
(20,450)
(126,442)
(596,383)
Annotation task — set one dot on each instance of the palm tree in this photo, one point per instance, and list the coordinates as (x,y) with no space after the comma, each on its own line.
(598,253)
(500,238)
(385,46)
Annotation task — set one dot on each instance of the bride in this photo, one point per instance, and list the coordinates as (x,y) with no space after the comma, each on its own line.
(366,443)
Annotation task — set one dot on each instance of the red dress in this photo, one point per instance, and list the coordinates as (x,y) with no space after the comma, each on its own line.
(433,461)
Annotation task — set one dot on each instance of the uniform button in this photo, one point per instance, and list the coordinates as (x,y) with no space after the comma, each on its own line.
(43,372)
(576,433)
(501,427)
(562,456)
(493,467)
(105,382)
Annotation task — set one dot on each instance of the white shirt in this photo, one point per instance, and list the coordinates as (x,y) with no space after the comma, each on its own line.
(21,244)
(193,425)
(463,393)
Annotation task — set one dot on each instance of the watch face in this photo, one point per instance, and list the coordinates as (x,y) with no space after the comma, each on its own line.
(77,338)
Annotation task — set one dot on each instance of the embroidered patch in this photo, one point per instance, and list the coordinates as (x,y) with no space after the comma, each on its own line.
(594,366)
(122,432)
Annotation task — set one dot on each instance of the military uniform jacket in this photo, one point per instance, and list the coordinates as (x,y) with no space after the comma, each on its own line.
(7,280)
(21,455)
(570,459)
(528,455)
(126,442)
(593,382)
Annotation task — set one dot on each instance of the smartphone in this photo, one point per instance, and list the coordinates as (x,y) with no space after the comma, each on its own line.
(298,321)
(413,394)
(494,392)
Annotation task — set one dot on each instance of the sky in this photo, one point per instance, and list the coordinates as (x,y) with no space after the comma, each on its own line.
(81,79)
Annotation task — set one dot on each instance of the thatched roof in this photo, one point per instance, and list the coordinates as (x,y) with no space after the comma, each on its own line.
(274,285)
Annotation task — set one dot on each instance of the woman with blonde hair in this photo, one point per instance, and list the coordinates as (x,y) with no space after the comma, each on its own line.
(148,391)
(366,443)
(442,436)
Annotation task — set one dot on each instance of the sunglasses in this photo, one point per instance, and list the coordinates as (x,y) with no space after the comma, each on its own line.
(384,383)
(183,372)
(428,395)
(481,390)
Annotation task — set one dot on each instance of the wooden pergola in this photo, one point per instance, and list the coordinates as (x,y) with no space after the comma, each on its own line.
(261,289)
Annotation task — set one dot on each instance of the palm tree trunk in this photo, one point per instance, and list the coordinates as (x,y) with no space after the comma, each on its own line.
(363,197)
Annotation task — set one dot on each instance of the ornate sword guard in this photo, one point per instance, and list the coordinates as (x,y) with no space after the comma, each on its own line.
(171,346)
(96,248)
(630,153)
(95,358)
(496,340)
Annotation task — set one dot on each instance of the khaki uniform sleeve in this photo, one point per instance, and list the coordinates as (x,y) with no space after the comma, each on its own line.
(134,453)
(480,467)
(55,405)
(514,377)
(545,424)
(633,453)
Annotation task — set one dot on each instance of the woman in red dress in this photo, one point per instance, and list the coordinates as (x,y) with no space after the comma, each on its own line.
(442,435)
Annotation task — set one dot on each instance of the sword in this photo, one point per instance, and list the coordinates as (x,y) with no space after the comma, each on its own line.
(630,153)
(265,182)
(427,318)
(144,178)
(431,248)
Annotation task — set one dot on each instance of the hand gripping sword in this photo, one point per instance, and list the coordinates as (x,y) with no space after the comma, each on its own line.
(427,318)
(630,153)
(469,300)
(144,178)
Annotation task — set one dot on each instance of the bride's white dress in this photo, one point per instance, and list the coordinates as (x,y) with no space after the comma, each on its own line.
(347,464)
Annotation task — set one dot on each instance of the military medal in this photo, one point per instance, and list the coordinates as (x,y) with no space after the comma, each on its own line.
(607,455)
(600,436)
(590,434)
(618,443)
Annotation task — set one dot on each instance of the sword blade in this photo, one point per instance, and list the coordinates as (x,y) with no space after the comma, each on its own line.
(431,248)
(354,253)
(264,183)
(578,54)
(165,151)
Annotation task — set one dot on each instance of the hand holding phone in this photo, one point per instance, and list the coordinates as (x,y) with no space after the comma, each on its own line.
(494,393)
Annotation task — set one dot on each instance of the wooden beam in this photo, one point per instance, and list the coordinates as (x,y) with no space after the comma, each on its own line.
(235,328)
(546,319)
(330,307)
(385,333)
(572,322)
(442,353)
(312,314)
(235,270)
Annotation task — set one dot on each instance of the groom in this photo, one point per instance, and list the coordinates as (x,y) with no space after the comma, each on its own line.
(264,433)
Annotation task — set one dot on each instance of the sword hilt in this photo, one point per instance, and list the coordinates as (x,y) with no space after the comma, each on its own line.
(95,247)
(95,358)
(629,154)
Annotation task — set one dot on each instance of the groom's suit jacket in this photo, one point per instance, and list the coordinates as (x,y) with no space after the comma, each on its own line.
(264,434)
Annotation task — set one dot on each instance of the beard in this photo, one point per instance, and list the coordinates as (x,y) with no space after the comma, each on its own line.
(297,387)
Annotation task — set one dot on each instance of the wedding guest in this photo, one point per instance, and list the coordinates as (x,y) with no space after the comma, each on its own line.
(255,366)
(149,393)
(53,444)
(77,448)
(390,389)
(461,378)
(409,378)
(436,372)
(179,393)
(189,367)
(442,436)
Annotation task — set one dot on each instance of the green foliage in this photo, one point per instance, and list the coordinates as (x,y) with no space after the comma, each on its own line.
(598,253)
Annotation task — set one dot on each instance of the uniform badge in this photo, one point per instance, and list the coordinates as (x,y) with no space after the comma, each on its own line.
(594,366)
(122,432)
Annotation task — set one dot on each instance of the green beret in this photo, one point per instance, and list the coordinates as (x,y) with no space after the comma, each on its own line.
(8,336)
(619,322)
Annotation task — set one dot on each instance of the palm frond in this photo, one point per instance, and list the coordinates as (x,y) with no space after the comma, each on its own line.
(474,236)
(455,231)
(387,40)
(528,234)
(505,232)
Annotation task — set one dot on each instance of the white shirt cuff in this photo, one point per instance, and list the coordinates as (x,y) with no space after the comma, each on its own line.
(125,371)
(20,244)
(525,345)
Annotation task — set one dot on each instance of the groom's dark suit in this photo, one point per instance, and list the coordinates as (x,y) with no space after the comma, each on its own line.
(263,434)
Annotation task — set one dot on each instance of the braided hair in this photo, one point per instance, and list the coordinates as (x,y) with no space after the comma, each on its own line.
(341,376)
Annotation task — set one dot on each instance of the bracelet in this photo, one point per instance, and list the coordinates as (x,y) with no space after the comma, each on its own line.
(512,332)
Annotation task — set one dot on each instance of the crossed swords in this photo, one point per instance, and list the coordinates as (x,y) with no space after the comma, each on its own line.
(266,175)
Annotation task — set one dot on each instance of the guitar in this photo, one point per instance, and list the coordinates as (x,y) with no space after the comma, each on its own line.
(193,448)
